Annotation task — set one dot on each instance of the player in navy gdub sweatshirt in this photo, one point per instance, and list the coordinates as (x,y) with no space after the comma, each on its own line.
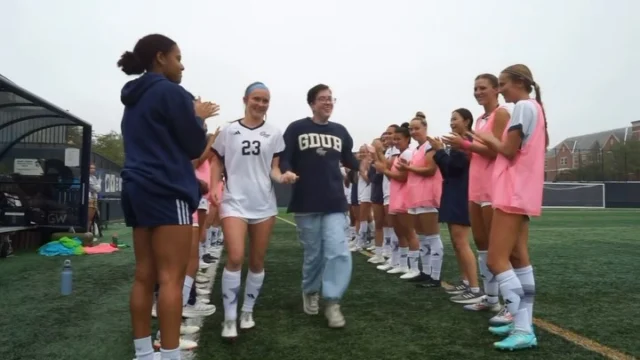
(315,147)
(162,130)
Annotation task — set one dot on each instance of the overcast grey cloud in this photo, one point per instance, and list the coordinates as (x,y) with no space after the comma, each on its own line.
(385,60)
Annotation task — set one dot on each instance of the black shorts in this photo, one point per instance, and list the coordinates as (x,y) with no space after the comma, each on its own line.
(142,209)
(377,195)
(354,194)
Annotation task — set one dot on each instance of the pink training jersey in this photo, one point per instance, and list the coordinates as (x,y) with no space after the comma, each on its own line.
(397,189)
(481,167)
(203,172)
(518,183)
(423,191)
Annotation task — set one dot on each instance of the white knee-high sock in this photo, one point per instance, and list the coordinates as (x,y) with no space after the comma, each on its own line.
(173,354)
(230,292)
(143,348)
(511,290)
(414,259)
(186,289)
(491,287)
(437,254)
(386,235)
(528,282)
(395,250)
(362,233)
(404,254)
(252,288)
(425,253)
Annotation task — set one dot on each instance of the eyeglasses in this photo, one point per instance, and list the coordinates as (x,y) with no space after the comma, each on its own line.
(326,99)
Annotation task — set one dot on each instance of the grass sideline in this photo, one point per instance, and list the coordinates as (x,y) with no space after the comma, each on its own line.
(584,262)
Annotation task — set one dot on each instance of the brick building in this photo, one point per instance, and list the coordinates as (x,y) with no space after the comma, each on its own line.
(578,151)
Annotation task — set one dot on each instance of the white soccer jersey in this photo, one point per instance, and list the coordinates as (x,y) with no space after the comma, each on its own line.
(247,155)
(388,154)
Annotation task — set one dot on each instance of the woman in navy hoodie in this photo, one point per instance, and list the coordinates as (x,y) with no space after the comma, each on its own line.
(162,129)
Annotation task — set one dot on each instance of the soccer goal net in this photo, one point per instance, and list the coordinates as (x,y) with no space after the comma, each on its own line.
(573,195)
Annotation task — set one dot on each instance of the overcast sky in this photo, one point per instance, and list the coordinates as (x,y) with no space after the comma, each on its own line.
(384,60)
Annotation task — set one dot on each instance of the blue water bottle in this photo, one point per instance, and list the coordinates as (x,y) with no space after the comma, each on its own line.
(67,278)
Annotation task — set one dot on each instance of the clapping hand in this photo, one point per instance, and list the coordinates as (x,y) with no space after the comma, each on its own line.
(436,143)
(402,165)
(453,139)
(205,110)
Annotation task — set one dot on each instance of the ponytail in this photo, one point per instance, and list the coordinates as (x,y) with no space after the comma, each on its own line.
(536,87)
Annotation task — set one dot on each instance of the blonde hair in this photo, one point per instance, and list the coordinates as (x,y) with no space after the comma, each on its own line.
(522,73)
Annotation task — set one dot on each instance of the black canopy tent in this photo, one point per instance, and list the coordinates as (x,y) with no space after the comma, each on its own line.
(25,114)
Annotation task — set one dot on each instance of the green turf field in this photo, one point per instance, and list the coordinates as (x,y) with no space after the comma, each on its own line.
(585,261)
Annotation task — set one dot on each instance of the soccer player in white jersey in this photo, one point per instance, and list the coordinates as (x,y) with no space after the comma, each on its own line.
(250,149)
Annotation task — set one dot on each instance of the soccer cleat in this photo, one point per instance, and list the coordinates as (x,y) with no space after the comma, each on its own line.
(517,340)
(411,274)
(229,330)
(483,305)
(198,310)
(468,297)
(501,318)
(246,320)
(334,316)
(420,278)
(430,284)
(310,303)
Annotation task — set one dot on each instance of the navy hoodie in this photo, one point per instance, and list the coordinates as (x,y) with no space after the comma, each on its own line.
(161,135)
(314,152)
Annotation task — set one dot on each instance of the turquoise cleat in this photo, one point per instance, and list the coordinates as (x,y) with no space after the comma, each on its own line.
(517,340)
(502,330)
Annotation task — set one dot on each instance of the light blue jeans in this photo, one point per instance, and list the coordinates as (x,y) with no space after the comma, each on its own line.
(327,259)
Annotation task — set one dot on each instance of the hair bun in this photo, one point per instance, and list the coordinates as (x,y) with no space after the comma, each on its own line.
(405,125)
(130,64)
(421,115)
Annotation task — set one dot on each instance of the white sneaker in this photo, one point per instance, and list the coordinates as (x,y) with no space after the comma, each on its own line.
(246,320)
(229,330)
(398,270)
(483,306)
(201,286)
(203,300)
(185,345)
(202,278)
(386,266)
(353,247)
(371,248)
(334,316)
(203,292)
(189,329)
(310,303)
(410,274)
(376,259)
(504,317)
(198,310)
(154,310)
(203,265)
